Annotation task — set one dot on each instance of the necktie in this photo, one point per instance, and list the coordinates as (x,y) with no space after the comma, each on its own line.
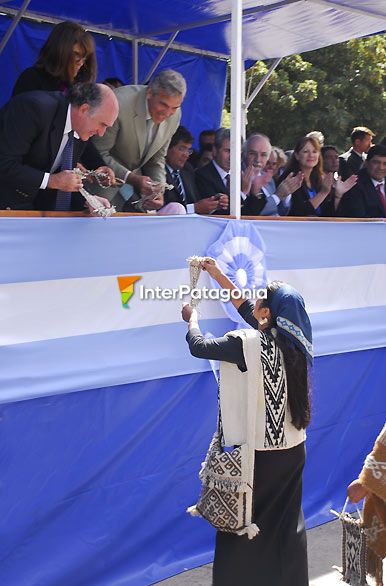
(178,185)
(63,198)
(227,183)
(382,198)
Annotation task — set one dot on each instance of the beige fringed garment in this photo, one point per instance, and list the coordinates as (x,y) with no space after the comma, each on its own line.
(373,477)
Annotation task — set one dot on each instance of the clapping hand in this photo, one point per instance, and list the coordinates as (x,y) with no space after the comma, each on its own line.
(327,183)
(260,181)
(290,184)
(341,187)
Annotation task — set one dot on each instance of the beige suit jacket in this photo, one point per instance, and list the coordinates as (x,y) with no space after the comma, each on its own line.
(122,146)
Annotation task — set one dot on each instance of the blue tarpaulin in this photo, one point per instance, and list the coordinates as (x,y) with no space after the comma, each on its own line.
(104,415)
(203,103)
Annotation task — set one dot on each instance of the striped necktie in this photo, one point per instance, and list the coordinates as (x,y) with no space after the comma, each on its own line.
(227,183)
(178,185)
(63,198)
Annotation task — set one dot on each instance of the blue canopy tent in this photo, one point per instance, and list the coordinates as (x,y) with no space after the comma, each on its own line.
(131,36)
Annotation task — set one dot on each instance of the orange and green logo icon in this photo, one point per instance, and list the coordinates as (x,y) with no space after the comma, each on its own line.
(126,287)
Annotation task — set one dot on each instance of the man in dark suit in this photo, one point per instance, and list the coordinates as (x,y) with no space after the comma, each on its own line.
(42,137)
(180,173)
(213,179)
(351,161)
(367,198)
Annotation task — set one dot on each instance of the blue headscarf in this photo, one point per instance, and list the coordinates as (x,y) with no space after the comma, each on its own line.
(289,314)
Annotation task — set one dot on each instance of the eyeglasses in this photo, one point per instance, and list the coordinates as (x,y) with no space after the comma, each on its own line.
(184,150)
(79,57)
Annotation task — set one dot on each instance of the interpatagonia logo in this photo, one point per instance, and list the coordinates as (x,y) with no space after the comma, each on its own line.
(126,287)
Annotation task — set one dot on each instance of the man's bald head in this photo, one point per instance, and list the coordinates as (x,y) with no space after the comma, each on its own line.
(94,107)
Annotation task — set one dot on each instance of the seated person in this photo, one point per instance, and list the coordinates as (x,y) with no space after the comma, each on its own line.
(205,144)
(318,135)
(310,198)
(259,191)
(180,173)
(330,156)
(205,155)
(367,198)
(213,180)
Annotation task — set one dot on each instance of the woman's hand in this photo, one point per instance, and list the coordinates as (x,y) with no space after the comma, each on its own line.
(211,266)
(188,313)
(327,183)
(290,184)
(356,491)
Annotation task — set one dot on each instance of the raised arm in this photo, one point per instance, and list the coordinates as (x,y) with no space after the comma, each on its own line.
(225,349)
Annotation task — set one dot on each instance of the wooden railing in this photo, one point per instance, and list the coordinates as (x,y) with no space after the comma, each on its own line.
(40,214)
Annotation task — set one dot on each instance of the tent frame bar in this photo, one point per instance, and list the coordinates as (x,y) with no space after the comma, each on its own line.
(160,57)
(236,107)
(262,82)
(33,16)
(17,17)
(134,64)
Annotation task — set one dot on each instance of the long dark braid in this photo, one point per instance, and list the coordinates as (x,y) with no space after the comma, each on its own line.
(296,368)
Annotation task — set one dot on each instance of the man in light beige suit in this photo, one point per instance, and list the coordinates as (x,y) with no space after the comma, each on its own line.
(136,145)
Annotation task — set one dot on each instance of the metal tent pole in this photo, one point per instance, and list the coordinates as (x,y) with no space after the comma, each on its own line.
(236,77)
(13,25)
(160,57)
(134,64)
(262,82)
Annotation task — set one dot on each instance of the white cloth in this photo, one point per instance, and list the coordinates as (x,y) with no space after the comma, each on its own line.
(234,389)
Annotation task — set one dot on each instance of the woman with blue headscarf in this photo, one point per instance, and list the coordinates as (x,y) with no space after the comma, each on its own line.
(278,555)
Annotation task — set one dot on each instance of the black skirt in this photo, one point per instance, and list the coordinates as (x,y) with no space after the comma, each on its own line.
(278,555)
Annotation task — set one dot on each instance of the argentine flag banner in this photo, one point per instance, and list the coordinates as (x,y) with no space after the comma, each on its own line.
(86,303)
(105,417)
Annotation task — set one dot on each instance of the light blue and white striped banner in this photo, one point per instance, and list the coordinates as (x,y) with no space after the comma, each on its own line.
(63,327)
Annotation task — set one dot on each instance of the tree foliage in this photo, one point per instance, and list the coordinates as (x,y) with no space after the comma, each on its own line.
(331,89)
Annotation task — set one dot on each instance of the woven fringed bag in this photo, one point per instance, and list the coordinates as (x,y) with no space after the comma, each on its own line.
(354,548)
(226,498)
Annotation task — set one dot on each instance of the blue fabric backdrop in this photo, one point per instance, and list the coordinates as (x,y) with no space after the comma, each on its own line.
(95,484)
(104,415)
(204,100)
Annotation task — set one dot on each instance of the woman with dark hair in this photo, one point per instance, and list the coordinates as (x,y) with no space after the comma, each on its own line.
(277,556)
(308,200)
(67,57)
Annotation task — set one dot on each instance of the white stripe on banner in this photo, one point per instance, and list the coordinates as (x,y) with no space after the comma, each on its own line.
(44,310)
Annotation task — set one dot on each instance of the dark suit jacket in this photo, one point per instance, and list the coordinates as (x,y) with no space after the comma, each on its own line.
(300,203)
(209,183)
(31,130)
(362,201)
(189,183)
(349,164)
